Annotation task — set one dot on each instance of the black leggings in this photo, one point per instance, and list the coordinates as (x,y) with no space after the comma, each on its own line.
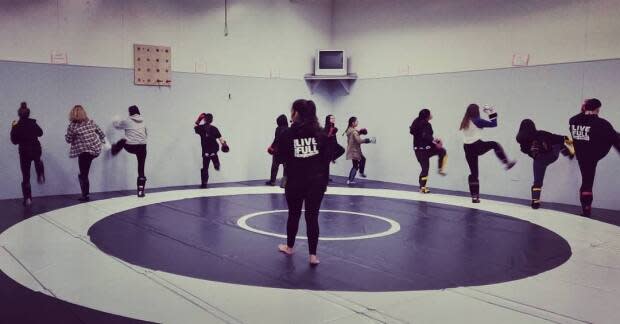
(84,162)
(139,150)
(588,172)
(423,156)
(472,152)
(311,197)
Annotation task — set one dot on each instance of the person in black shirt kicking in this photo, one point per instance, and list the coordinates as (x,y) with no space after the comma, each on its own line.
(593,137)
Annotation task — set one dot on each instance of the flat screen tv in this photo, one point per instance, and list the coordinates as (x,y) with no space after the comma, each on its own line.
(330,62)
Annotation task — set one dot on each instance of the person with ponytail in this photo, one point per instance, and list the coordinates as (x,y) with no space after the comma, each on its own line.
(303,148)
(426,146)
(86,139)
(332,141)
(209,137)
(25,133)
(544,148)
(134,143)
(474,146)
(354,149)
(282,125)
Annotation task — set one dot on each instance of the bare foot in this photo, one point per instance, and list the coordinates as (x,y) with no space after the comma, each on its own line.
(314,260)
(285,249)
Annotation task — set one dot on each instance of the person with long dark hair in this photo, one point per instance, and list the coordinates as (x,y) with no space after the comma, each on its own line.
(544,148)
(593,137)
(332,141)
(25,133)
(474,146)
(209,137)
(134,142)
(354,149)
(426,146)
(303,149)
(86,139)
(276,160)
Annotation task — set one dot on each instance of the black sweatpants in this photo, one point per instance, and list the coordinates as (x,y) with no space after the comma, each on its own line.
(207,158)
(423,157)
(25,161)
(309,197)
(275,166)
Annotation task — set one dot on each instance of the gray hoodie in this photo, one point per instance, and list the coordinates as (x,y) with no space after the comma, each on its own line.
(135,130)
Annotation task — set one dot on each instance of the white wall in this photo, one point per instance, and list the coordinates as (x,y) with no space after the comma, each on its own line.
(384,38)
(265,36)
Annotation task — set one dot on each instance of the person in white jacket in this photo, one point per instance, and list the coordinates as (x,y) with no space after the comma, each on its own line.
(134,142)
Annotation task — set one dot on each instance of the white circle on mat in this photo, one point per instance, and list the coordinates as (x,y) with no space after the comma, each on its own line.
(394,226)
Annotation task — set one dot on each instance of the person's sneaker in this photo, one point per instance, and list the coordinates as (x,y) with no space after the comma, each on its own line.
(349,182)
(535,204)
(84,199)
(475,200)
(363,175)
(510,164)
(203,186)
(270,183)
(442,173)
(424,190)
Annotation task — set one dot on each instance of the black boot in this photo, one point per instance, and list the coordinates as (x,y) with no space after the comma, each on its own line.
(27,193)
(536,191)
(204,178)
(586,203)
(85,187)
(474,189)
(141,186)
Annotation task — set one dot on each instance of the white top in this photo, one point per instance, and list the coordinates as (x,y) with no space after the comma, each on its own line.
(135,130)
(472,134)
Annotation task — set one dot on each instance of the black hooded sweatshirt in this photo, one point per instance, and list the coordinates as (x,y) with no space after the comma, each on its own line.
(422,132)
(26,134)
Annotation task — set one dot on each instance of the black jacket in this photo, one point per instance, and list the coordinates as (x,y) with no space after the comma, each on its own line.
(208,138)
(26,134)
(305,154)
(593,136)
(542,142)
(422,132)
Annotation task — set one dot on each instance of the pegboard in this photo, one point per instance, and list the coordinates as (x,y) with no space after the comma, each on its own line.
(152,65)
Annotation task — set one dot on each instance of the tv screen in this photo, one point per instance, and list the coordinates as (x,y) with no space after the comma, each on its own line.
(331,60)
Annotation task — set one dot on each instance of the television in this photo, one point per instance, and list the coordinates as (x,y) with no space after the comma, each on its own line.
(330,62)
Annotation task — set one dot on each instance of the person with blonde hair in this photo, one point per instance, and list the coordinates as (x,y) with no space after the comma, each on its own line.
(25,133)
(86,139)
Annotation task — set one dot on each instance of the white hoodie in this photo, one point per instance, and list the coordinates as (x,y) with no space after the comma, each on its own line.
(135,130)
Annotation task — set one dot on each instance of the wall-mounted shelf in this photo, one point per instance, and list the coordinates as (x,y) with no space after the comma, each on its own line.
(345,81)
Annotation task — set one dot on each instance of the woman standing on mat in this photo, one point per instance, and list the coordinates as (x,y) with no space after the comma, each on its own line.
(332,141)
(276,160)
(134,142)
(209,137)
(354,149)
(425,146)
(86,139)
(25,132)
(544,148)
(472,126)
(303,149)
